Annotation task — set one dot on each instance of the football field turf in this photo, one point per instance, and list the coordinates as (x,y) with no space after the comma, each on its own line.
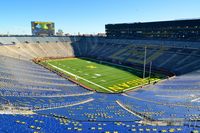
(101,76)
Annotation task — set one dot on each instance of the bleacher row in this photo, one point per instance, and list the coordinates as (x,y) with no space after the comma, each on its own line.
(175,58)
(59,105)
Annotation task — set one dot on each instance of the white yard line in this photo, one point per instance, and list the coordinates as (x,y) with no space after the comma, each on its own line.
(125,67)
(80,77)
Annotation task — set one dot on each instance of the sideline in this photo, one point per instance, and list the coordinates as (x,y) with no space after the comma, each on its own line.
(80,78)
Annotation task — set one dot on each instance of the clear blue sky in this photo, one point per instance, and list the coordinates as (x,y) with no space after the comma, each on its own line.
(90,16)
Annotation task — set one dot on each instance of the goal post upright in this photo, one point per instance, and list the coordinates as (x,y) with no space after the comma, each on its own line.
(145,54)
(150,66)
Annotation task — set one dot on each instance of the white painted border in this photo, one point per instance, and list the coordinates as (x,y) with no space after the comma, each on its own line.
(81,78)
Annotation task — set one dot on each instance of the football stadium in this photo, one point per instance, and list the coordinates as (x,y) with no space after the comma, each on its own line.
(101,84)
(141,77)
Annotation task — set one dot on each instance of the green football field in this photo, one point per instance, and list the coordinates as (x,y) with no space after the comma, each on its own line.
(102,76)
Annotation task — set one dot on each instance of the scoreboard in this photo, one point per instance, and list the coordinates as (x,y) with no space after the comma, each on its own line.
(42,28)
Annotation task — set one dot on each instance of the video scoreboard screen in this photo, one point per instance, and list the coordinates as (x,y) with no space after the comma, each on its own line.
(43,28)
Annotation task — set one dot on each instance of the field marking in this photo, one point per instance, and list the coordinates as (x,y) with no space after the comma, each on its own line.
(134,69)
(80,77)
(142,85)
(124,90)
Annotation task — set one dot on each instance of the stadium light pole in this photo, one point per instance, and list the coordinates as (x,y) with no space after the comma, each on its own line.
(145,54)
